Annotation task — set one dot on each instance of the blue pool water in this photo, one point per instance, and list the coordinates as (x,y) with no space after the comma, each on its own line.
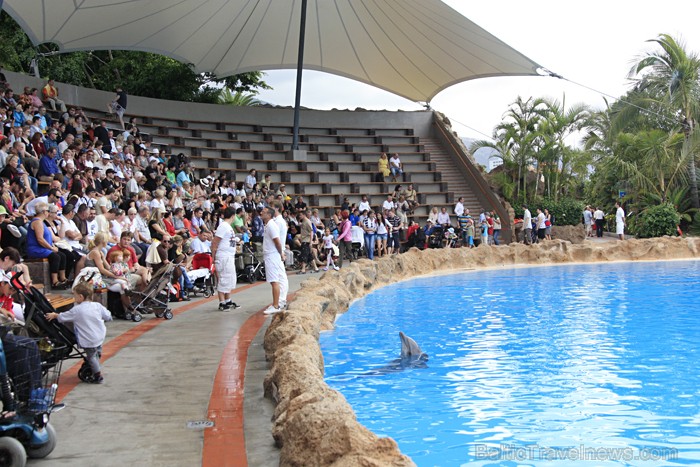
(530,366)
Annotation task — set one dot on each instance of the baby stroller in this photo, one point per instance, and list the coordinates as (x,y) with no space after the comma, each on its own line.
(57,341)
(155,297)
(358,241)
(202,275)
(248,266)
(436,237)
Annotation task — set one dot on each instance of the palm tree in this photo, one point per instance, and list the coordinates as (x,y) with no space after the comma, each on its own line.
(673,74)
(227,97)
(557,124)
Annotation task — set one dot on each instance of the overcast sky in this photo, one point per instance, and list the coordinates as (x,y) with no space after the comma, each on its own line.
(592,43)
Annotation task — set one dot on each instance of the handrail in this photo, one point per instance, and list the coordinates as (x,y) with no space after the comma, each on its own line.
(470,172)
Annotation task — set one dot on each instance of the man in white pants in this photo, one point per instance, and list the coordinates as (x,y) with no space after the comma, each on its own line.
(282,224)
(620,221)
(273,251)
(223,253)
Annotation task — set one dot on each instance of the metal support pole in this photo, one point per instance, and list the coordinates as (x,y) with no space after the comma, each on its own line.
(300,67)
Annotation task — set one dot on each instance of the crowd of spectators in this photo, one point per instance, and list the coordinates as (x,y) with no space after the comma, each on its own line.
(95,179)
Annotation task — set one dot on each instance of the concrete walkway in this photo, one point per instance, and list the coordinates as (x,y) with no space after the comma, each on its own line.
(160,375)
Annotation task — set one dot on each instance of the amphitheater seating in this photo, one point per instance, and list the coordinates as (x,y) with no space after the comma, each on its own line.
(340,161)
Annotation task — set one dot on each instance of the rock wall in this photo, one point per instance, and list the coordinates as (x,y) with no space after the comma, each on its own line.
(314,425)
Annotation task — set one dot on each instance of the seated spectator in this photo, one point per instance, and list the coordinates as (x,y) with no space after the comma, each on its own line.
(411,196)
(433,215)
(388,205)
(139,275)
(34,98)
(364,204)
(201,243)
(396,167)
(48,170)
(40,245)
(300,205)
(96,259)
(316,220)
(383,167)
(443,218)
(8,98)
(50,95)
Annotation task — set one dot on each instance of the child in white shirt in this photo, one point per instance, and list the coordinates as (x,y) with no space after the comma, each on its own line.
(328,246)
(88,319)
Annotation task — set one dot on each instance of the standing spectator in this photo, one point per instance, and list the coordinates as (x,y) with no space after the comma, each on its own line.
(620,221)
(273,253)
(396,224)
(527,226)
(50,94)
(328,247)
(459,207)
(599,217)
(118,105)
(496,229)
(540,222)
(223,252)
(587,221)
(344,237)
(547,225)
(88,320)
(369,225)
(306,235)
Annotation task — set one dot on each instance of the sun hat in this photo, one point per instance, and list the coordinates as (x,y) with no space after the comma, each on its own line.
(3,211)
(204,182)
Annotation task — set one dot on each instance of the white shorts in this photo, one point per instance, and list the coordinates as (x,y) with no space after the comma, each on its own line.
(226,268)
(274,268)
(620,228)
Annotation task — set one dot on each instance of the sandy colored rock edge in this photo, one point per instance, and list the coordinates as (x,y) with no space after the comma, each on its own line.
(313,424)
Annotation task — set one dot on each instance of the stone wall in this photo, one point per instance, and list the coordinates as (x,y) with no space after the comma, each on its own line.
(314,425)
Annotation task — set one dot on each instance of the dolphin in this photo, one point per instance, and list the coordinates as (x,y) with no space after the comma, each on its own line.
(411,357)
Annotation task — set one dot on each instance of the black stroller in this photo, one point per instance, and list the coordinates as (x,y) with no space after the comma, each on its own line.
(436,237)
(57,341)
(249,266)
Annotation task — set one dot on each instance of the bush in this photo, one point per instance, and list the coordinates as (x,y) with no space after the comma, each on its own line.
(566,211)
(658,221)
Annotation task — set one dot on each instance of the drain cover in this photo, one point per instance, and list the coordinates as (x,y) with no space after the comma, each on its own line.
(199,424)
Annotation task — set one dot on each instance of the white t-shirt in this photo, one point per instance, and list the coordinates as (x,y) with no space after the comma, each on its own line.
(395,162)
(386,205)
(620,215)
(69,226)
(328,242)
(527,220)
(199,246)
(272,231)
(364,206)
(282,226)
(459,209)
(227,245)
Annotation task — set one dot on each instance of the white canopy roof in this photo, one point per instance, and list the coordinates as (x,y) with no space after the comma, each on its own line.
(413,48)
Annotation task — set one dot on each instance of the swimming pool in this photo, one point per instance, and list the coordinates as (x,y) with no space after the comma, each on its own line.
(530,366)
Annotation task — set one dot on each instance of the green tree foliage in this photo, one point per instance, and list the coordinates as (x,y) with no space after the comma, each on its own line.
(140,73)
(566,211)
(657,221)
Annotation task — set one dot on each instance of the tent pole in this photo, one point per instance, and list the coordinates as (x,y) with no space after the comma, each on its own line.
(300,67)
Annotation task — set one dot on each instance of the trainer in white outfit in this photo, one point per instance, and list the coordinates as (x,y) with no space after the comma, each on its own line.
(282,225)
(273,252)
(620,221)
(223,252)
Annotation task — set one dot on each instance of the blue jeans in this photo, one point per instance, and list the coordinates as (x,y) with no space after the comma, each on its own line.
(496,235)
(33,184)
(185,282)
(395,171)
(369,244)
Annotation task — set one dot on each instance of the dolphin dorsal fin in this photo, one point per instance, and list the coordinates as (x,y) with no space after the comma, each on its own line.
(409,347)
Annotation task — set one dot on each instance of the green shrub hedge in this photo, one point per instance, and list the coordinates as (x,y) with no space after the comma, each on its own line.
(658,221)
(566,211)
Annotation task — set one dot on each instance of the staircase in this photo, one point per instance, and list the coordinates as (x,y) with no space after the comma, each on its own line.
(456,183)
